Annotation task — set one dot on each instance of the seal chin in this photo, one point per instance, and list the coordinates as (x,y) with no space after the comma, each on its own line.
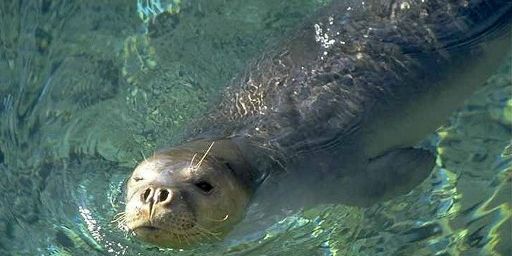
(175,238)
(168,229)
(164,238)
(159,237)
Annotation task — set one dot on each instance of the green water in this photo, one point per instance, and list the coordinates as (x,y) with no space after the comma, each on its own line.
(88,88)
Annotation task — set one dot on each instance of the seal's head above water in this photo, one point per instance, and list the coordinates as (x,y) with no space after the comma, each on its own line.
(178,197)
(333,115)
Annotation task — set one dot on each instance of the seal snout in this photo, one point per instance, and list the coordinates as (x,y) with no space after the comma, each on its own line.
(159,204)
(156,197)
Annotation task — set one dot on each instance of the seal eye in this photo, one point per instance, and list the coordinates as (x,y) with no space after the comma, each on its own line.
(137,179)
(204,186)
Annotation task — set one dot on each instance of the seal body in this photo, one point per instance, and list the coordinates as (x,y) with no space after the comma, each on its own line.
(361,80)
(332,114)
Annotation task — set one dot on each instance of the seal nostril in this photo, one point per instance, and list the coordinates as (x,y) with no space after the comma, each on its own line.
(146,194)
(163,195)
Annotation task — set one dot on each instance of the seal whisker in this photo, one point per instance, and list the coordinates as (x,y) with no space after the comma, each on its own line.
(119,214)
(203,235)
(123,226)
(151,213)
(208,232)
(218,220)
(188,238)
(177,236)
(119,218)
(204,156)
(182,239)
(192,161)
(211,219)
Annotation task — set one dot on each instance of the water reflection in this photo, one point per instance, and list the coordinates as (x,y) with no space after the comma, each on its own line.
(84,94)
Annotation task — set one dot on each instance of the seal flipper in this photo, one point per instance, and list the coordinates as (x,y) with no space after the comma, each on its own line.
(394,173)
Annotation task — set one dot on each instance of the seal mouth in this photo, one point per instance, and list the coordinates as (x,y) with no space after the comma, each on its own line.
(150,228)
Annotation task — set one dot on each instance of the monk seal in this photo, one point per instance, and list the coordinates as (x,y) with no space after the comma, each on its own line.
(332,115)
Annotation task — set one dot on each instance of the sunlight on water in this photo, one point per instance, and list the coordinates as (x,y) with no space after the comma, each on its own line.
(88,89)
(150,9)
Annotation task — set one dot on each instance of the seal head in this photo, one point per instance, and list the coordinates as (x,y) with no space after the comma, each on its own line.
(179,197)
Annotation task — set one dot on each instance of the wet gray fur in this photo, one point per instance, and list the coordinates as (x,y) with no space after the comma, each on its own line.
(302,107)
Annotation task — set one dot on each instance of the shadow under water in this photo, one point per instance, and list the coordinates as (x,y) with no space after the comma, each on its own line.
(87,89)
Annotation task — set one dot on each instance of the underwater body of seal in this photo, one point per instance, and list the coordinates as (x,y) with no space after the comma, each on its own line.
(88,90)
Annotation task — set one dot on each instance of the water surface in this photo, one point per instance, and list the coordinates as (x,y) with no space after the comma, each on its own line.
(88,88)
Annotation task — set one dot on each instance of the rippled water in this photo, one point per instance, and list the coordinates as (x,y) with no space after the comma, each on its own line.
(87,89)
